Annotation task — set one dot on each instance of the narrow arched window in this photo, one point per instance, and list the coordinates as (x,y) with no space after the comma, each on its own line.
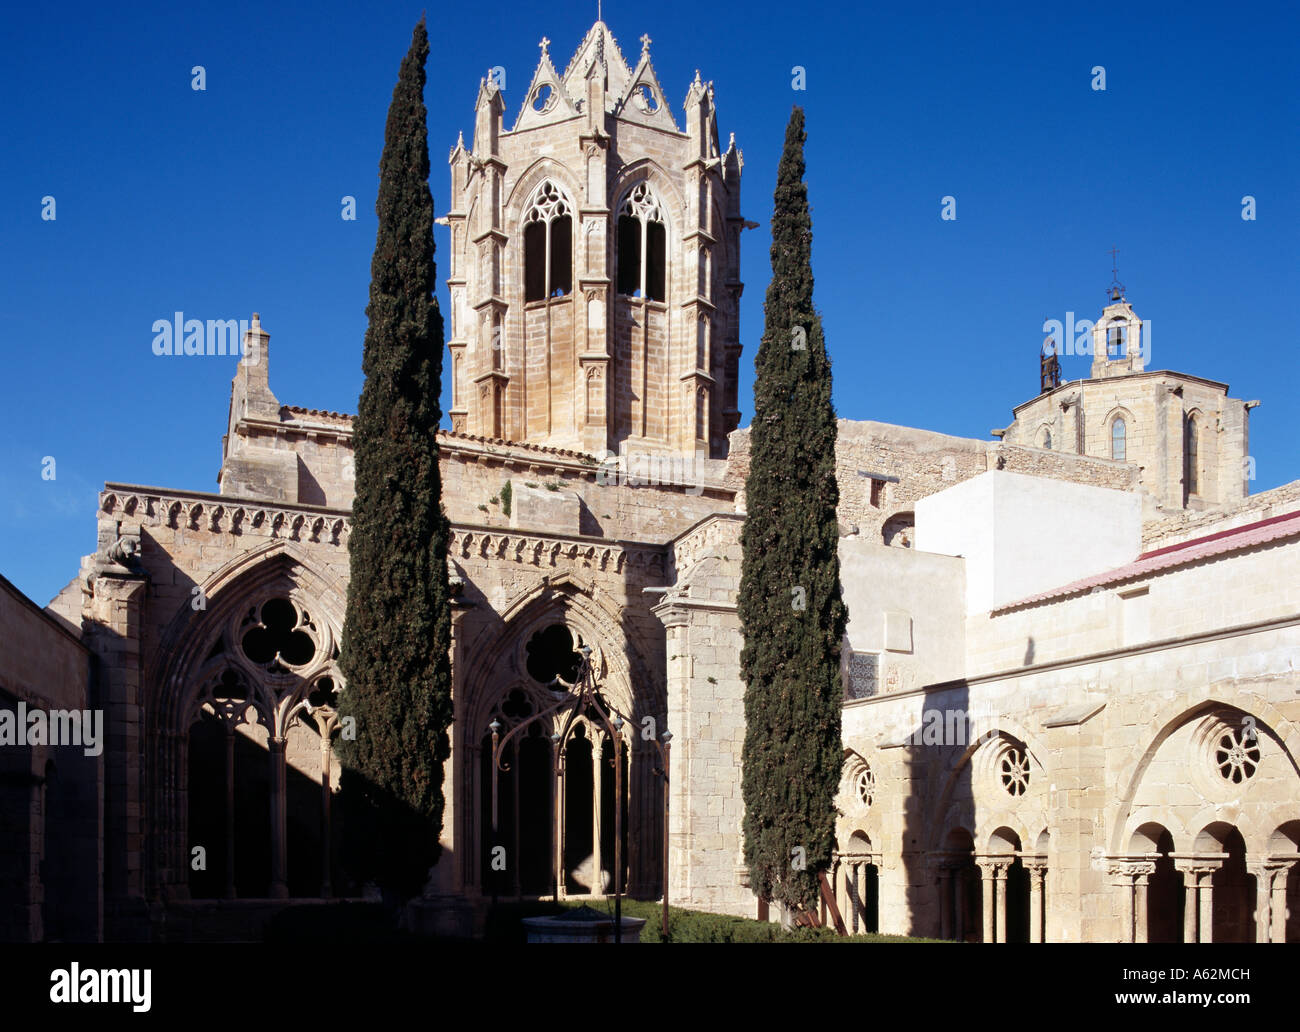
(1118,440)
(642,246)
(1192,456)
(548,245)
(1047,440)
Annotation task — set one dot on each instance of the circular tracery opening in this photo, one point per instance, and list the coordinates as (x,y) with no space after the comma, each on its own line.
(1015,771)
(864,786)
(1236,754)
(278,636)
(544,98)
(645,99)
(552,652)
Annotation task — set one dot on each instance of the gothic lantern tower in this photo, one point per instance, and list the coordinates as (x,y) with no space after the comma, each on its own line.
(595,264)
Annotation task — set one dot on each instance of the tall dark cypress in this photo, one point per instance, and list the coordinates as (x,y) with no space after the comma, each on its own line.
(397,633)
(790,607)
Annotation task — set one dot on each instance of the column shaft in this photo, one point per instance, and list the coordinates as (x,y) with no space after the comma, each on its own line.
(945,903)
(279,852)
(1000,890)
(1036,905)
(986,882)
(597,792)
(1206,892)
(230,810)
(1278,930)
(1140,908)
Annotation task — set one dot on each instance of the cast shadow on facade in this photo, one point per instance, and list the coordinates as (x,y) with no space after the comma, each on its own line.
(555,806)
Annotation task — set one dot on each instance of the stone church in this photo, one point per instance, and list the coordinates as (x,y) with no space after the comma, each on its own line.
(1071,671)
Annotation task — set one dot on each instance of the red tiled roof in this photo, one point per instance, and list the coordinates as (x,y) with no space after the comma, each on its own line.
(1211,545)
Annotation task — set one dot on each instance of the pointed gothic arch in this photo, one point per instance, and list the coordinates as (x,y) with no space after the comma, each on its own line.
(208,667)
(548,221)
(500,668)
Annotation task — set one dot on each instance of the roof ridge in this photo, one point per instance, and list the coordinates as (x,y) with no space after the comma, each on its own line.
(1191,542)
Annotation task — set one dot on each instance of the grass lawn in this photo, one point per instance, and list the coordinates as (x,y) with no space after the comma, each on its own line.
(683,925)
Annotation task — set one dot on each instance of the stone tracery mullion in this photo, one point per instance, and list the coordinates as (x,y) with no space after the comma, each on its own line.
(548,203)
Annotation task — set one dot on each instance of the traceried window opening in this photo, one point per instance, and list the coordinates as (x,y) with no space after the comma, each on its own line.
(548,245)
(230,688)
(644,98)
(1119,440)
(324,693)
(553,652)
(1015,772)
(1237,754)
(277,638)
(544,98)
(864,786)
(642,246)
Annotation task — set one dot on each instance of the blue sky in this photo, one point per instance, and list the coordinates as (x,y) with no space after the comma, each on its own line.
(226,201)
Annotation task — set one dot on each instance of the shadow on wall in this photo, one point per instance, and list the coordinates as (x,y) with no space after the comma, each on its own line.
(49,842)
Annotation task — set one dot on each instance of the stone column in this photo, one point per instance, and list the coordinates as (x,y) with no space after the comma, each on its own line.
(959,904)
(1189,907)
(561,772)
(1205,890)
(230,807)
(327,723)
(986,880)
(1140,904)
(1130,873)
(1278,909)
(597,797)
(993,872)
(1259,870)
(1198,908)
(1037,868)
(1000,894)
(945,903)
(279,830)
(1270,897)
(114,617)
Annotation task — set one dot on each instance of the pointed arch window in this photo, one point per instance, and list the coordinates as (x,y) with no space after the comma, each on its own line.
(642,246)
(1192,455)
(548,245)
(1119,439)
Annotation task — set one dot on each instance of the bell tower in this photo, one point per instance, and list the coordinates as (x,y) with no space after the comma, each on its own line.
(595,263)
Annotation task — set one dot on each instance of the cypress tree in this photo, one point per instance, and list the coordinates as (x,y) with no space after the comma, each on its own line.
(790,608)
(397,633)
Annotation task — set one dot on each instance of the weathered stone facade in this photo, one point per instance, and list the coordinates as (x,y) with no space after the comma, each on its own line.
(1189,439)
(1055,664)
(595,263)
